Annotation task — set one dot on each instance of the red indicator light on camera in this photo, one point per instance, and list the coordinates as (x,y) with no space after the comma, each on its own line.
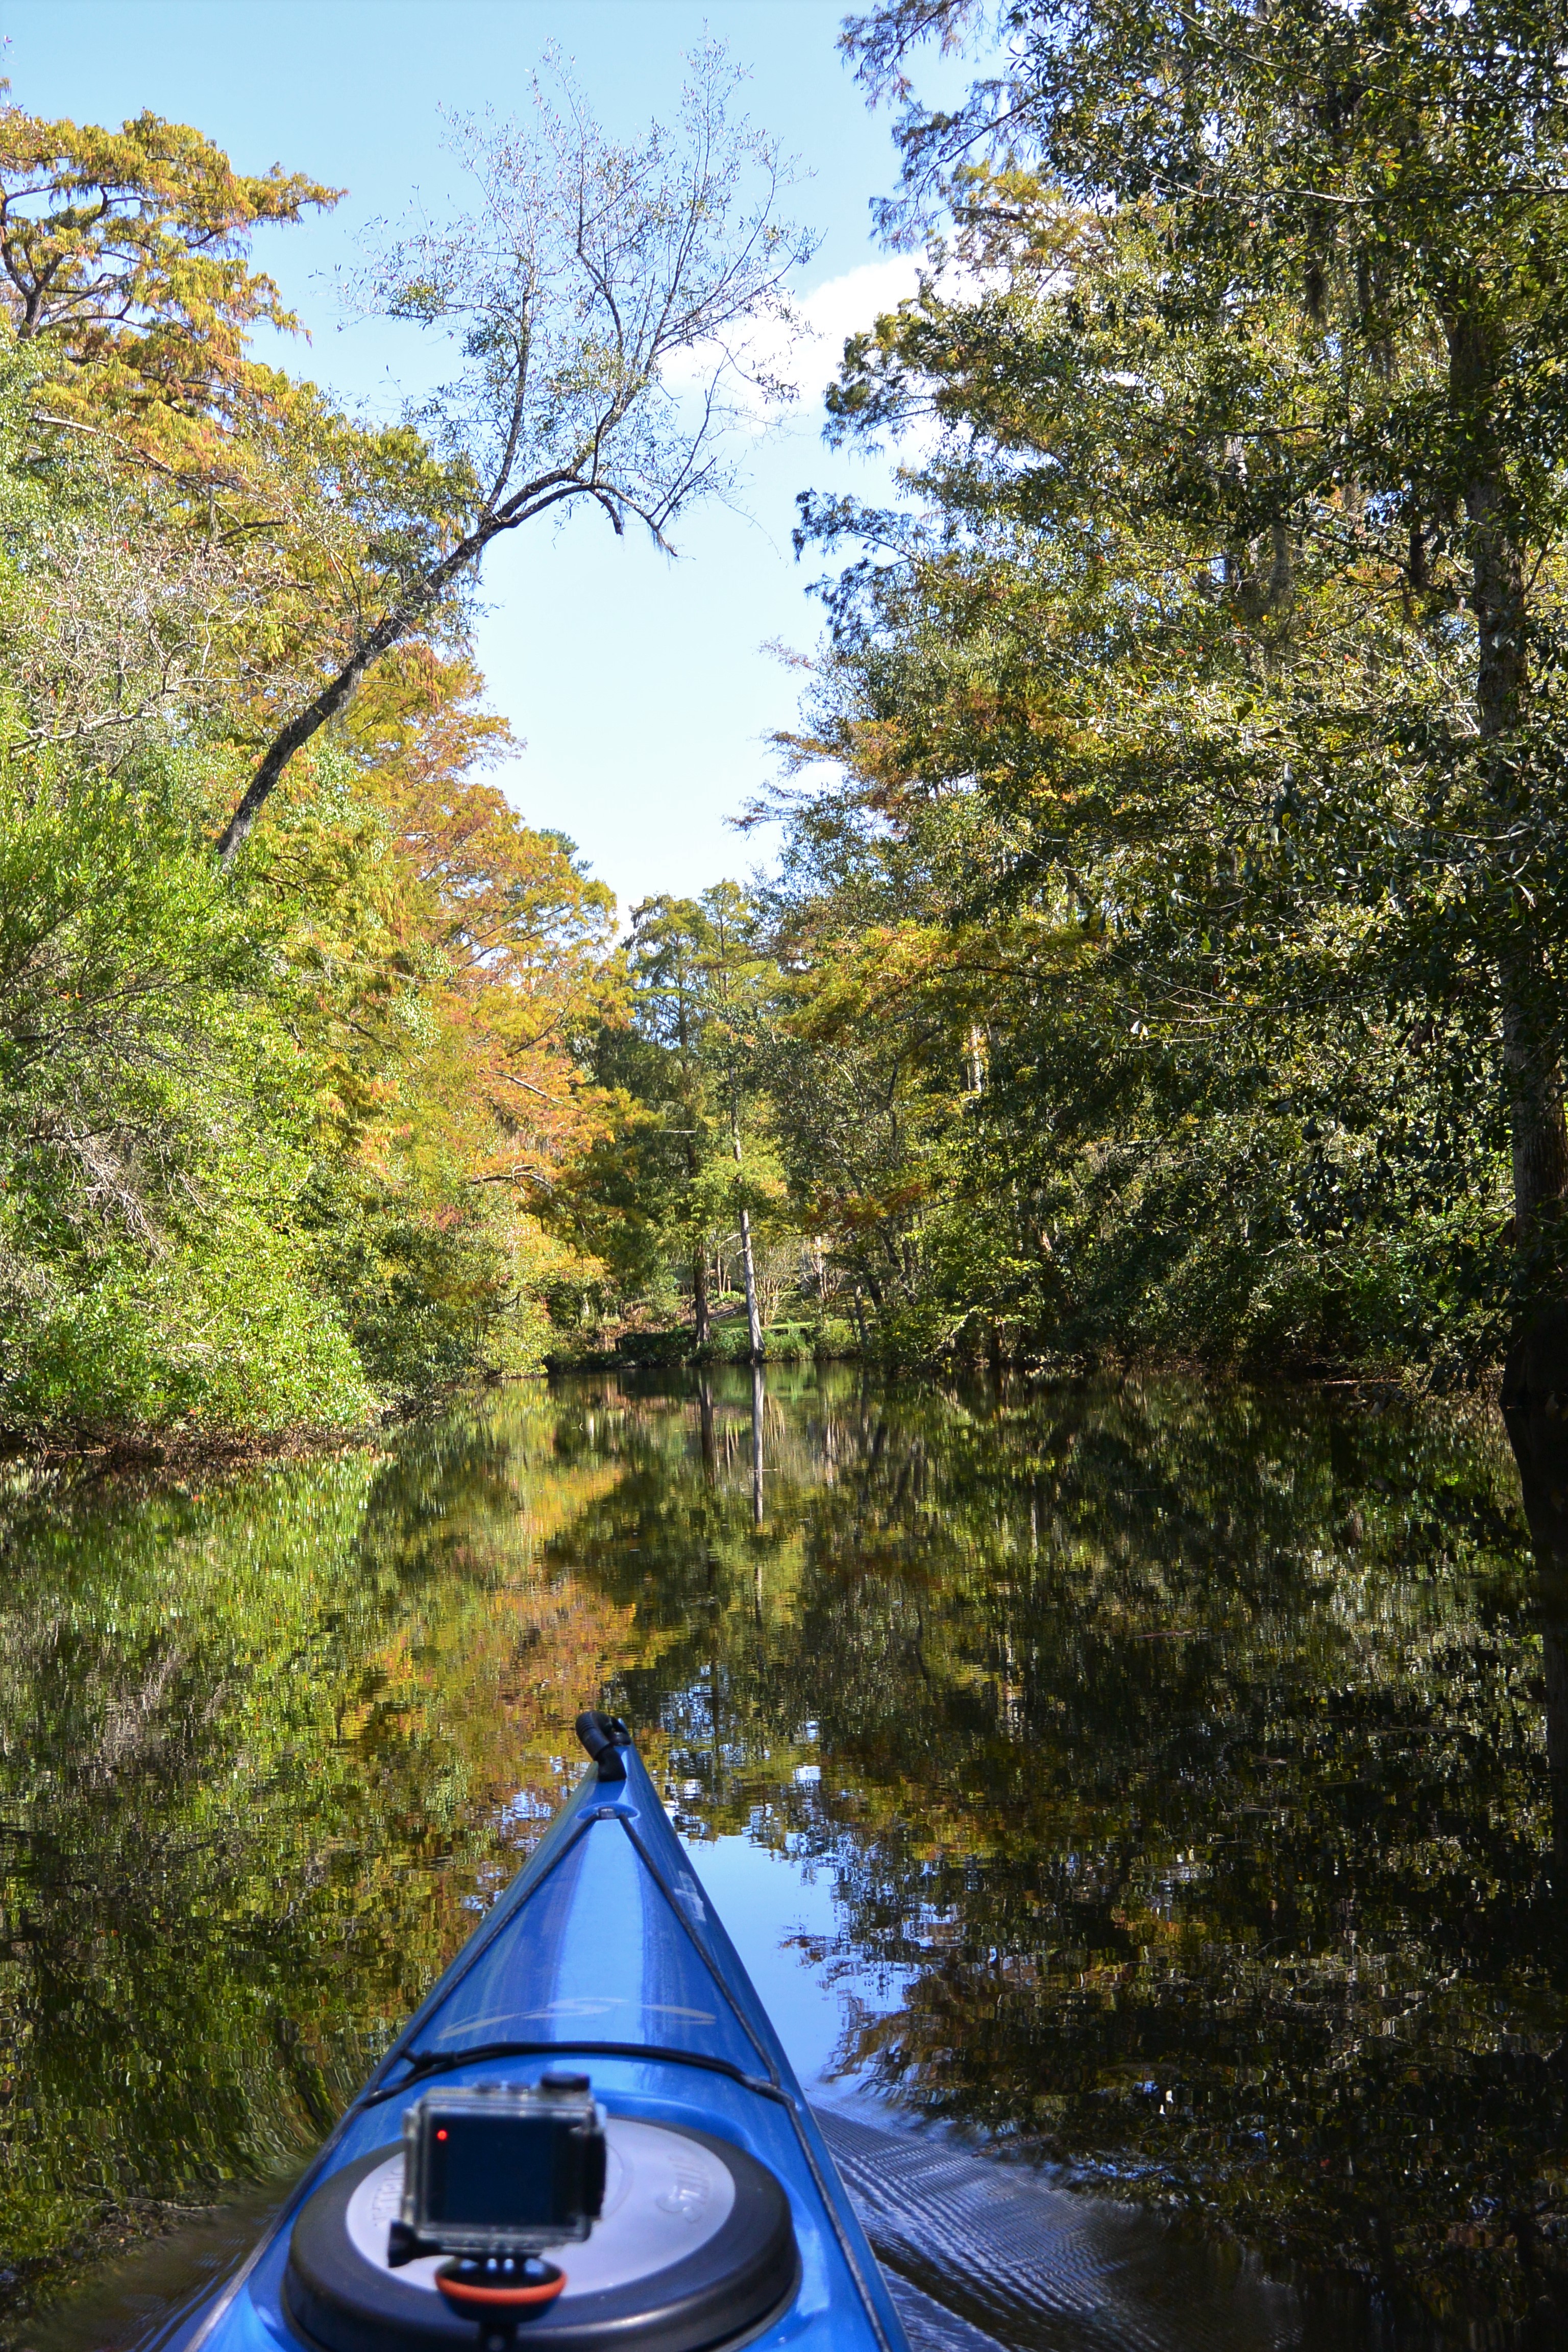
(441,2135)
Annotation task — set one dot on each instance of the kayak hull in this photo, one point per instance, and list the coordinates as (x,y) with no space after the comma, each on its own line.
(606,1953)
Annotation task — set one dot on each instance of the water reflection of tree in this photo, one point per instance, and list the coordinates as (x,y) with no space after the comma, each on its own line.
(1187,1751)
(1182,1758)
(261,1755)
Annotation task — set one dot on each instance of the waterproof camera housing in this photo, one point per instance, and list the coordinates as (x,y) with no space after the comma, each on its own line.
(502,2169)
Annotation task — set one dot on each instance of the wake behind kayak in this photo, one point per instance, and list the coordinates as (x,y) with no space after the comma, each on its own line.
(589,2135)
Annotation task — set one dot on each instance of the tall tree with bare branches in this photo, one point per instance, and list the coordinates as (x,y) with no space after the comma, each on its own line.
(604,299)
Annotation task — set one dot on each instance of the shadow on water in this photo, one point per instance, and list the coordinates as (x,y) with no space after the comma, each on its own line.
(1178,1778)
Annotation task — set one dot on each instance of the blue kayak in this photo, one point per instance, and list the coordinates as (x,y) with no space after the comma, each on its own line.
(723,2220)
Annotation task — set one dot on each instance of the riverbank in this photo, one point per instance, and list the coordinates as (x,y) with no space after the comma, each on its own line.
(193,1447)
(648,1345)
(216,1449)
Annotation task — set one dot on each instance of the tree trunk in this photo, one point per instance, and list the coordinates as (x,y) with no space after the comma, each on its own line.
(754,1321)
(536,498)
(1554,1657)
(699,1294)
(339,692)
(334,697)
(1499,600)
(1531,1051)
(1535,1377)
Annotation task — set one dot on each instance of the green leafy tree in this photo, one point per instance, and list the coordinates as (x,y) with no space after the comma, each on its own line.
(689,1156)
(667,958)
(1188,1041)
(1381,195)
(267,1143)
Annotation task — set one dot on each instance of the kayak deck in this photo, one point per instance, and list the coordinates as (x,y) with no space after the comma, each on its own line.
(605,1952)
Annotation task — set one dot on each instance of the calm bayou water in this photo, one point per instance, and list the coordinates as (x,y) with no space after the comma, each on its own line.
(1154,1776)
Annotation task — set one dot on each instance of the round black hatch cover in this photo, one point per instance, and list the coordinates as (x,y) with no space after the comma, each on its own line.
(695,2249)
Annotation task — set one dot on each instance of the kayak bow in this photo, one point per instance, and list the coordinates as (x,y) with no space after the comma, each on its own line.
(724,2221)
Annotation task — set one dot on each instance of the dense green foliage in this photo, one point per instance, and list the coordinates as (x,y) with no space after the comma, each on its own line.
(1175,952)
(1201,725)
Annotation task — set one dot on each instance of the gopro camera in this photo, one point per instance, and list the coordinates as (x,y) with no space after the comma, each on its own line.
(502,2169)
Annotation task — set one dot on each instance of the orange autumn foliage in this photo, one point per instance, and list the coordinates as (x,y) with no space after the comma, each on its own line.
(127,248)
(523,938)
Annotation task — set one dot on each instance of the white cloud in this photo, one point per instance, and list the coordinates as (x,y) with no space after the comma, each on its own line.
(838,308)
(829,316)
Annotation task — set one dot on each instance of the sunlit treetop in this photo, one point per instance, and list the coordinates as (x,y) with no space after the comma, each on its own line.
(126,249)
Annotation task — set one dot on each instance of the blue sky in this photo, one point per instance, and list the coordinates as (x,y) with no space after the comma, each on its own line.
(642,689)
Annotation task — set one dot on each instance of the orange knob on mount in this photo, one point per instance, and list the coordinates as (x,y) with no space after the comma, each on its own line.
(479,2291)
